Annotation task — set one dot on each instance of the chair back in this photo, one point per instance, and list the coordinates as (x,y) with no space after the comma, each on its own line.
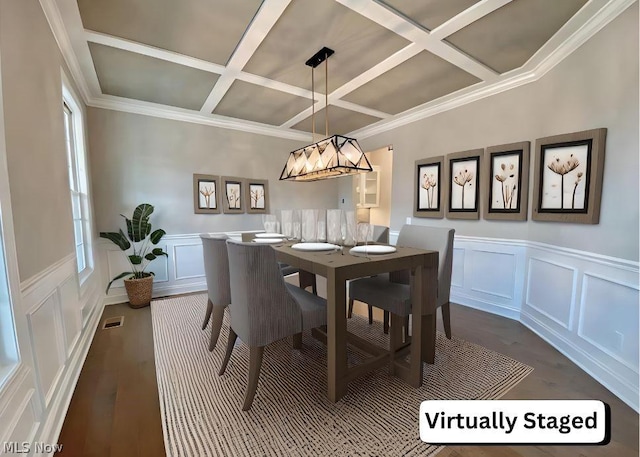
(216,268)
(262,310)
(434,239)
(380,234)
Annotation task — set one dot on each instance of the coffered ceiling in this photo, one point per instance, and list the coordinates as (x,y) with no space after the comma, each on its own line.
(240,64)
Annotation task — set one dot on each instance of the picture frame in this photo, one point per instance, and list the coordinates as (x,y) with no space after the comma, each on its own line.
(206,194)
(506,191)
(257,196)
(233,195)
(464,174)
(567,180)
(429,188)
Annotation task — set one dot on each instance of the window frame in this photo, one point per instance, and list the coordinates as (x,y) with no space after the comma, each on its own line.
(78,153)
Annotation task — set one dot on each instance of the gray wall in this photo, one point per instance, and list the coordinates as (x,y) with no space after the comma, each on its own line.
(138,159)
(596,86)
(36,156)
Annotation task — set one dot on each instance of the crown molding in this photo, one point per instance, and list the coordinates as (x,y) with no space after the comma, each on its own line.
(56,24)
(537,66)
(179,114)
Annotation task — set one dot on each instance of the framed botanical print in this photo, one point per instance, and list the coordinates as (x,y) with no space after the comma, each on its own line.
(568,175)
(463,184)
(206,194)
(507,178)
(257,196)
(233,195)
(428,200)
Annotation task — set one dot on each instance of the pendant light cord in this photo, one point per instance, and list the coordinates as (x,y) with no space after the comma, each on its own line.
(313,107)
(326,97)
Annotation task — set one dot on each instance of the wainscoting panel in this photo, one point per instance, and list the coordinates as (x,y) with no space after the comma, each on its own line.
(493,273)
(186,260)
(47,344)
(487,274)
(71,313)
(586,306)
(54,342)
(551,290)
(613,329)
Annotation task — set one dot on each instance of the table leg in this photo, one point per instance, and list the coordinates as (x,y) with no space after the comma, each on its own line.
(336,337)
(429,298)
(415,376)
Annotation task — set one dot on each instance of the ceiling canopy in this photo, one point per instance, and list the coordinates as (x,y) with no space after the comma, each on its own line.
(241,64)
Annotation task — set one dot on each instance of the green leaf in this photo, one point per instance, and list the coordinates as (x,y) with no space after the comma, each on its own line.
(159,251)
(135,259)
(118,239)
(151,273)
(141,220)
(150,256)
(157,235)
(129,227)
(121,275)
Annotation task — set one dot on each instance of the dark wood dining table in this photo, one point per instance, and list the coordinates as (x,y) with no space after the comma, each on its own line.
(340,266)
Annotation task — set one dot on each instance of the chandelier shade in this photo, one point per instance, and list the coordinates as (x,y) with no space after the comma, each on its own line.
(330,158)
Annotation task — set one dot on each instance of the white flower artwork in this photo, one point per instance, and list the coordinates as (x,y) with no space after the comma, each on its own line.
(464,175)
(429,182)
(563,177)
(505,179)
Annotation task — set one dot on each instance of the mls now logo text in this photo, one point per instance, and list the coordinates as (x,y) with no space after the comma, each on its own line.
(17,447)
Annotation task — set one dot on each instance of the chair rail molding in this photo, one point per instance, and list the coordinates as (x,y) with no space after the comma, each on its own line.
(561,295)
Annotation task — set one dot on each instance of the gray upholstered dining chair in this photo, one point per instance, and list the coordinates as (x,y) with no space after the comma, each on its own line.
(391,292)
(380,235)
(216,270)
(265,308)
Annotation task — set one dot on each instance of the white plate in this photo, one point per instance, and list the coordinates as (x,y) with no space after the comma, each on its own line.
(314,247)
(373,249)
(268,240)
(269,235)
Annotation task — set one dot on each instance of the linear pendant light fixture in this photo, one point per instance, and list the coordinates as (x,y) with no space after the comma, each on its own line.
(332,157)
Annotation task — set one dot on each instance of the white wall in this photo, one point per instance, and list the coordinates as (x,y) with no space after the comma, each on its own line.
(574,285)
(596,86)
(142,159)
(55,318)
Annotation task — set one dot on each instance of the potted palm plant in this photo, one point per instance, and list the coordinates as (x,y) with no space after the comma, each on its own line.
(139,238)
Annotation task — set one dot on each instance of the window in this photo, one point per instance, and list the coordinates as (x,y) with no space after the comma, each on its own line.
(78,183)
(8,349)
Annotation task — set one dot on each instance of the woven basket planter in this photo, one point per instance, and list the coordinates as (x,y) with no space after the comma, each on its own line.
(139,291)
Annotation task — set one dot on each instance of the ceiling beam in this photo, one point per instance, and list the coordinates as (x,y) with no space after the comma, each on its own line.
(151,51)
(266,17)
(391,20)
(466,17)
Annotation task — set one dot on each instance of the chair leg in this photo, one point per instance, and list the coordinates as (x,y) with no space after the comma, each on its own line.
(446,319)
(370,314)
(297,341)
(255,362)
(230,343)
(385,322)
(207,314)
(350,312)
(216,324)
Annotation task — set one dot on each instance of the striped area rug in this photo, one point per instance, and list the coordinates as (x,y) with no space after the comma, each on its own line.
(202,412)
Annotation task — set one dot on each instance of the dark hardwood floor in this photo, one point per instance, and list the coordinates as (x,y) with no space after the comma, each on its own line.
(115,409)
